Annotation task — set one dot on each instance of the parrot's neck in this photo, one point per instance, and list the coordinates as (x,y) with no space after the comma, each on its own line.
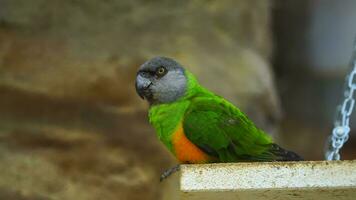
(167,117)
(194,88)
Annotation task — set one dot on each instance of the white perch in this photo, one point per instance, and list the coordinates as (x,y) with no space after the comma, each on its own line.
(312,180)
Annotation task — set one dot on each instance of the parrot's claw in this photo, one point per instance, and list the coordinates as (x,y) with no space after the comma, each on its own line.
(169,172)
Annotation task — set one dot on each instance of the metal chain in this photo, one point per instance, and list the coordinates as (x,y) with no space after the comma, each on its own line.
(340,133)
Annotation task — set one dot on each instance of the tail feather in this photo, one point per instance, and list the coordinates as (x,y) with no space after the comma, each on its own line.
(284,155)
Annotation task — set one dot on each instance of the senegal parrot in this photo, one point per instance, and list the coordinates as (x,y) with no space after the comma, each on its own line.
(195,124)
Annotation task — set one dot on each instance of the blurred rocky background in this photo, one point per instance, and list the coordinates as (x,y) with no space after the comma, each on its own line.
(71,125)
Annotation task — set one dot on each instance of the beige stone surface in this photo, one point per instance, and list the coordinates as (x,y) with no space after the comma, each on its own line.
(90,50)
(71,125)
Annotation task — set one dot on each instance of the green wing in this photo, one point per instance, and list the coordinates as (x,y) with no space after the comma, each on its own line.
(222,130)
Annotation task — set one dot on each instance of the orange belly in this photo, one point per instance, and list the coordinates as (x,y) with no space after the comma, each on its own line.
(185,150)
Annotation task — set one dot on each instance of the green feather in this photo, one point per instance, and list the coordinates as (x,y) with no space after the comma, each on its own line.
(213,124)
(165,118)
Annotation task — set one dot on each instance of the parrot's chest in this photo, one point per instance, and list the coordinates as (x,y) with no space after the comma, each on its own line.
(167,121)
(185,151)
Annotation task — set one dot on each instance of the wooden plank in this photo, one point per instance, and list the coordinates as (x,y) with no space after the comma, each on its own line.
(274,180)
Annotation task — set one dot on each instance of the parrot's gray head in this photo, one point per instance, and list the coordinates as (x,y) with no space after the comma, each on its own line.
(161,80)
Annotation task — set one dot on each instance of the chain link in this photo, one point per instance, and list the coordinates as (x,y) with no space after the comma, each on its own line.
(340,133)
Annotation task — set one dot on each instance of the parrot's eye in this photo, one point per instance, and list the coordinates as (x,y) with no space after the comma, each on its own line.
(161,71)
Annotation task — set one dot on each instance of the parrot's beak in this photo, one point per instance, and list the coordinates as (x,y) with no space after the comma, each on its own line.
(142,86)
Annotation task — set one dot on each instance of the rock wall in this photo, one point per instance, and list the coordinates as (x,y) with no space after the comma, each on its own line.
(71,125)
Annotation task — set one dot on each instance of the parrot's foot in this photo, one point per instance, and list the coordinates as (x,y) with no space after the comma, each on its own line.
(169,172)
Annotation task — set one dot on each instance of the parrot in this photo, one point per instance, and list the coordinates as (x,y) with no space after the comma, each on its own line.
(196,125)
